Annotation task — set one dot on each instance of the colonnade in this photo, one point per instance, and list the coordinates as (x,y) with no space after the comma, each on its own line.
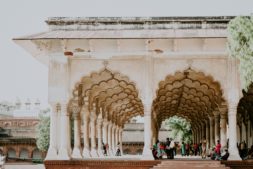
(96,132)
(212,129)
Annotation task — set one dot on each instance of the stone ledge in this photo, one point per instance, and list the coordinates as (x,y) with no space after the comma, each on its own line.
(247,164)
(100,164)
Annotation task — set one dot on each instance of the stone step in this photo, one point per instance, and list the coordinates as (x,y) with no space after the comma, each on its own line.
(190,165)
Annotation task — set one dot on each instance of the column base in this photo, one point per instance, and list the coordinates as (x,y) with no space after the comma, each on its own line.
(100,153)
(63,154)
(147,154)
(93,153)
(86,153)
(110,153)
(51,154)
(76,153)
(234,155)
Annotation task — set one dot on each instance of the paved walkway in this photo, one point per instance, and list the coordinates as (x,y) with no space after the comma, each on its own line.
(127,157)
(24,166)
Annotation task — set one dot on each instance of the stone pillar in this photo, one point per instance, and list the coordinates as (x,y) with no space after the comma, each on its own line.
(77,133)
(113,139)
(65,148)
(200,133)
(211,122)
(223,126)
(233,150)
(116,137)
(120,139)
(147,153)
(93,117)
(217,125)
(105,131)
(207,134)
(110,139)
(52,151)
(86,132)
(99,130)
(203,131)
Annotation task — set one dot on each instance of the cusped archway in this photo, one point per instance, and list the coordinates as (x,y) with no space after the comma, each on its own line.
(113,96)
(188,94)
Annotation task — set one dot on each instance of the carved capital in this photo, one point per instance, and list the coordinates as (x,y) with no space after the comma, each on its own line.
(64,109)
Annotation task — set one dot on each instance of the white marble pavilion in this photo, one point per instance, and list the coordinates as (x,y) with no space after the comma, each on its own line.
(104,71)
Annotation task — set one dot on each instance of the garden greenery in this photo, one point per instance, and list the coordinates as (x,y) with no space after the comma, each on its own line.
(240,45)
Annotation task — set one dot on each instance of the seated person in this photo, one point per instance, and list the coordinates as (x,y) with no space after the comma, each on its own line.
(250,153)
(224,155)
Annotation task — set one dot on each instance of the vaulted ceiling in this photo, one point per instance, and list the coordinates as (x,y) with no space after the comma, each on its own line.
(113,95)
(188,94)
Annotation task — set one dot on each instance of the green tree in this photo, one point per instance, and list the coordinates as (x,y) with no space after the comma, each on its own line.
(43,130)
(180,127)
(240,45)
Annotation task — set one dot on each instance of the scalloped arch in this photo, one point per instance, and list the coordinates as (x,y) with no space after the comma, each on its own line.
(189,94)
(113,93)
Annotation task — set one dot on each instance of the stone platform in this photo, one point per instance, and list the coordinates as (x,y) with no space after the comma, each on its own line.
(247,164)
(101,164)
(153,164)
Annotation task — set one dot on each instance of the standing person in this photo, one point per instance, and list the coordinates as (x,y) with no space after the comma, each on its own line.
(183,149)
(187,148)
(107,149)
(104,148)
(217,148)
(159,153)
(167,148)
(204,148)
(172,149)
(195,147)
(118,150)
(200,149)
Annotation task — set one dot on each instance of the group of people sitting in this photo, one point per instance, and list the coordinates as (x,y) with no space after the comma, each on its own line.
(160,149)
(169,149)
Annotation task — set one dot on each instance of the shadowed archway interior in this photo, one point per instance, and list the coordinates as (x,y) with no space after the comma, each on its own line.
(113,96)
(188,94)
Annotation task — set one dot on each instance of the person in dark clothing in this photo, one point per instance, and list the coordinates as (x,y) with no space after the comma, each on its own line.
(167,148)
(225,156)
(104,148)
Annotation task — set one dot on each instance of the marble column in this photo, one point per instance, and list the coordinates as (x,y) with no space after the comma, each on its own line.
(99,130)
(217,125)
(147,153)
(223,130)
(52,151)
(203,131)
(65,148)
(86,131)
(93,118)
(116,137)
(211,122)
(105,131)
(233,150)
(113,139)
(120,139)
(199,133)
(110,153)
(77,133)
(207,134)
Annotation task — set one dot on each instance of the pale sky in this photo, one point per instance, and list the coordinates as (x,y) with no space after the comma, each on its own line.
(24,77)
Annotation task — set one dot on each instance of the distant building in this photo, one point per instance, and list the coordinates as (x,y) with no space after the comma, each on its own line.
(18,129)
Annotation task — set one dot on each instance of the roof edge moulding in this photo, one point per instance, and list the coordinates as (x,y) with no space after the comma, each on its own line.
(137,23)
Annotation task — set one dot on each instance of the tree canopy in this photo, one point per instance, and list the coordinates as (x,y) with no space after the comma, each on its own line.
(240,45)
(43,129)
(180,127)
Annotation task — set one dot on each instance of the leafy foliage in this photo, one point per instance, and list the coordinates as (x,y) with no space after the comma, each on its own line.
(180,127)
(43,130)
(240,45)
